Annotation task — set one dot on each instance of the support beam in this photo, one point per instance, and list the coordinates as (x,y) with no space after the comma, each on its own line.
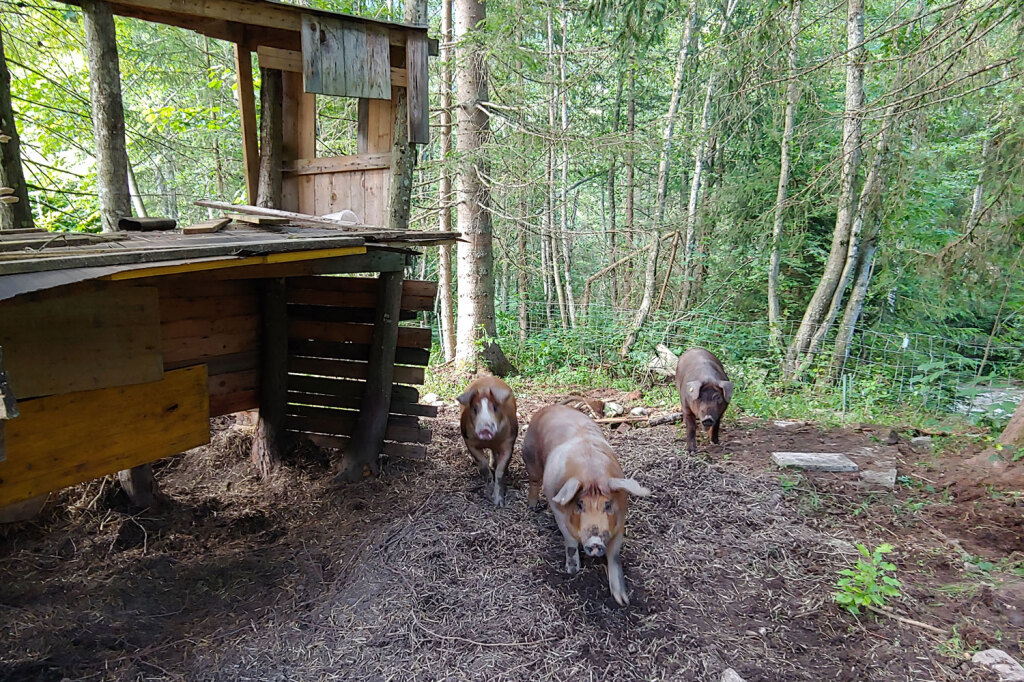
(268,443)
(107,113)
(140,485)
(365,447)
(247,109)
(271,95)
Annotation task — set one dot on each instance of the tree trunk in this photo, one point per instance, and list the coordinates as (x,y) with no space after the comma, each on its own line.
(613,281)
(522,284)
(445,186)
(268,186)
(867,202)
(549,167)
(1013,434)
(107,113)
(133,190)
(17,215)
(268,442)
(476,257)
(651,271)
(630,176)
(570,302)
(700,150)
(403,152)
(792,98)
(854,306)
(850,164)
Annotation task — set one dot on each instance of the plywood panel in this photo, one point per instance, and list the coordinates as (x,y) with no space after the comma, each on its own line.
(94,339)
(345,59)
(418,91)
(62,440)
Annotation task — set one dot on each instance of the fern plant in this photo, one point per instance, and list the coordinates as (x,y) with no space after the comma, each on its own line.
(870,582)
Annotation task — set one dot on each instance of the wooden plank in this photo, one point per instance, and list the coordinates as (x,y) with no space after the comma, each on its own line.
(206,307)
(222,364)
(354,351)
(325,313)
(375,196)
(195,287)
(200,327)
(377,120)
(234,402)
(258,219)
(291,60)
(333,57)
(62,440)
(418,89)
(94,339)
(247,110)
(353,299)
(348,369)
(357,292)
(230,264)
(234,382)
(344,387)
(338,164)
(146,224)
(195,349)
(404,450)
(206,227)
(408,337)
(378,64)
(401,428)
(352,403)
(356,263)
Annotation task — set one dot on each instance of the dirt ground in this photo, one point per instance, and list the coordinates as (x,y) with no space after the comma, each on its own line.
(415,576)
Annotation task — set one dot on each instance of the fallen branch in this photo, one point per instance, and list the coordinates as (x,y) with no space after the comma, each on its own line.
(908,621)
(624,419)
(670,418)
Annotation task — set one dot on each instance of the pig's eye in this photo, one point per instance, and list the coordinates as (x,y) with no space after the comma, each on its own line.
(579,505)
(476,408)
(608,507)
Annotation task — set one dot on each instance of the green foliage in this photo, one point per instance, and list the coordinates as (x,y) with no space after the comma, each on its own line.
(870,582)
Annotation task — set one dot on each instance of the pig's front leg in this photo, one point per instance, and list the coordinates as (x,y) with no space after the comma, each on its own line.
(483,461)
(502,457)
(691,431)
(714,434)
(616,580)
(572,546)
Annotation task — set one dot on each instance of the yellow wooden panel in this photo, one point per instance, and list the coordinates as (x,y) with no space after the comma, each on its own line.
(62,343)
(197,266)
(62,440)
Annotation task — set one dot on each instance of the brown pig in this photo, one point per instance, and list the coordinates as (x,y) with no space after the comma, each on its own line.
(566,454)
(705,392)
(489,422)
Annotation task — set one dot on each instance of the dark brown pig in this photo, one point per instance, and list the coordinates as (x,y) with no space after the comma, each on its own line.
(489,422)
(704,391)
(566,454)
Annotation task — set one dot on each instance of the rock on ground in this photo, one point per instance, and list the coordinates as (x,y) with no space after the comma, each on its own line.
(730,675)
(885,478)
(814,461)
(1002,663)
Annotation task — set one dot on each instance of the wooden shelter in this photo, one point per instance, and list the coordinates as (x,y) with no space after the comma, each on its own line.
(119,348)
(323,53)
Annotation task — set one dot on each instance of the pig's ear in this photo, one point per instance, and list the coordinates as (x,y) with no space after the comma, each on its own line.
(726,390)
(693,388)
(629,485)
(465,398)
(501,394)
(568,491)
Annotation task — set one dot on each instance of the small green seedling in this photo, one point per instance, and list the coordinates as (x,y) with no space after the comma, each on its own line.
(870,582)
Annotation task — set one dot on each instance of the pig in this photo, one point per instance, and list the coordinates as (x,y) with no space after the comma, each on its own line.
(704,391)
(566,454)
(489,422)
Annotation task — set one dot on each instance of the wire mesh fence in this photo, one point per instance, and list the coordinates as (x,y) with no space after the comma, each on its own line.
(976,376)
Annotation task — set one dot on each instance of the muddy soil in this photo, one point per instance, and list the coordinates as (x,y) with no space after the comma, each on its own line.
(416,576)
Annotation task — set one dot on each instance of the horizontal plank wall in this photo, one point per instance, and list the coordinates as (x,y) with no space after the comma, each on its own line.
(328,348)
(214,323)
(61,440)
(59,343)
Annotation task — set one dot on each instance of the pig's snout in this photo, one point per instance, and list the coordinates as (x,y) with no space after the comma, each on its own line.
(707,421)
(594,547)
(485,432)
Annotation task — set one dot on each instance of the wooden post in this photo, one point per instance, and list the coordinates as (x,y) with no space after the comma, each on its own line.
(140,485)
(247,109)
(267,444)
(107,113)
(15,212)
(271,137)
(364,448)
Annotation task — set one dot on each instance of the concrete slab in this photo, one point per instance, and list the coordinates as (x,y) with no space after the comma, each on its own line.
(884,478)
(815,461)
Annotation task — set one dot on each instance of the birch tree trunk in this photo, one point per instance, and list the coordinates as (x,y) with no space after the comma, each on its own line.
(792,98)
(476,257)
(654,250)
(107,113)
(849,166)
(133,190)
(690,242)
(570,302)
(445,186)
(16,215)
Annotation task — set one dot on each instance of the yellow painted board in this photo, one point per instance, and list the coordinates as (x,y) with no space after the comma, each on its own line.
(270,258)
(62,440)
(60,343)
